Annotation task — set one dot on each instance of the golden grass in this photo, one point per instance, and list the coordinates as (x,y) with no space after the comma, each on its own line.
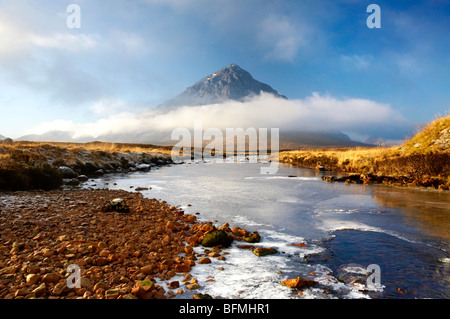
(96,146)
(426,154)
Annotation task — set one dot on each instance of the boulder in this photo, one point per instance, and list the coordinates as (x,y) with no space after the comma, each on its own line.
(298,283)
(71,181)
(6,140)
(116,205)
(82,178)
(67,172)
(204,260)
(253,238)
(261,251)
(217,237)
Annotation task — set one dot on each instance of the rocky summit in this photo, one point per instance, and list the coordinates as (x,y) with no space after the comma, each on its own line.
(230,83)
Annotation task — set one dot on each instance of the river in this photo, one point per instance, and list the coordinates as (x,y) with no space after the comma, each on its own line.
(346,228)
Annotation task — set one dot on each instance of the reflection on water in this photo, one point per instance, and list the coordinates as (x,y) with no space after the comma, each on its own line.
(424,209)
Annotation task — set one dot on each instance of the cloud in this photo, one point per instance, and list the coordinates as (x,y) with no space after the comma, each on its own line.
(282,37)
(356,62)
(63,41)
(314,113)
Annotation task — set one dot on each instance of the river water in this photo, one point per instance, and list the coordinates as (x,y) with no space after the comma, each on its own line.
(346,228)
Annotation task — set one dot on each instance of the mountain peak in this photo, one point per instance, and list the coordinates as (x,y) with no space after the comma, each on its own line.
(229,83)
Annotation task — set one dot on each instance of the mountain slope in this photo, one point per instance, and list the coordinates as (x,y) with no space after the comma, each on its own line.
(229,83)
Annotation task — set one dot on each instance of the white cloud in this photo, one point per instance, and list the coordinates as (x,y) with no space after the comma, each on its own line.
(282,37)
(107,106)
(314,113)
(15,38)
(355,61)
(64,41)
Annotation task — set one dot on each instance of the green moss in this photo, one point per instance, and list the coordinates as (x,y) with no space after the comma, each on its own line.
(253,238)
(146,283)
(217,237)
(264,251)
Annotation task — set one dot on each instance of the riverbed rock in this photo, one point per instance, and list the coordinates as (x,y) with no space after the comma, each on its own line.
(298,283)
(204,260)
(67,172)
(51,277)
(31,279)
(217,237)
(262,251)
(253,237)
(116,205)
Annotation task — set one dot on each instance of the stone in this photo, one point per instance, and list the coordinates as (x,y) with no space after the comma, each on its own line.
(100,285)
(82,178)
(298,283)
(202,296)
(51,277)
(174,284)
(116,205)
(6,140)
(193,286)
(31,279)
(112,294)
(60,288)
(299,245)
(21,292)
(40,290)
(253,238)
(147,270)
(85,282)
(47,252)
(261,251)
(217,237)
(251,247)
(67,172)
(182,267)
(204,260)
(239,232)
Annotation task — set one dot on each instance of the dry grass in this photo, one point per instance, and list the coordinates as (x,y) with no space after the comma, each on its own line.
(427,154)
(31,165)
(97,146)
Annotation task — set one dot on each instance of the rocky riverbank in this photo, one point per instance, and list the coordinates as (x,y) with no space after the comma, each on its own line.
(28,166)
(126,253)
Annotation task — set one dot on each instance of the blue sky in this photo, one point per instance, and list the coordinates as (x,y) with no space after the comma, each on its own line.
(129,56)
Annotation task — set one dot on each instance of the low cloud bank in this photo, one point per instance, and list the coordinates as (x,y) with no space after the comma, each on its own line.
(361,118)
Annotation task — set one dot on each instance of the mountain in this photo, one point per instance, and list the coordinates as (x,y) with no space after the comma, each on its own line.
(229,83)
(1,136)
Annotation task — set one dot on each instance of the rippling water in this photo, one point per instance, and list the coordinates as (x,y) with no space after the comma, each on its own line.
(346,227)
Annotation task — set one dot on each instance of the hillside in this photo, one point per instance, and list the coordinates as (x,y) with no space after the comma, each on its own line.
(434,137)
(423,160)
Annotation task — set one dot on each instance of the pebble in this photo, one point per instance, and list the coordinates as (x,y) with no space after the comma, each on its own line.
(114,251)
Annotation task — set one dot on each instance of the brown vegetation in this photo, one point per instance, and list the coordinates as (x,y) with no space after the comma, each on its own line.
(423,160)
(34,165)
